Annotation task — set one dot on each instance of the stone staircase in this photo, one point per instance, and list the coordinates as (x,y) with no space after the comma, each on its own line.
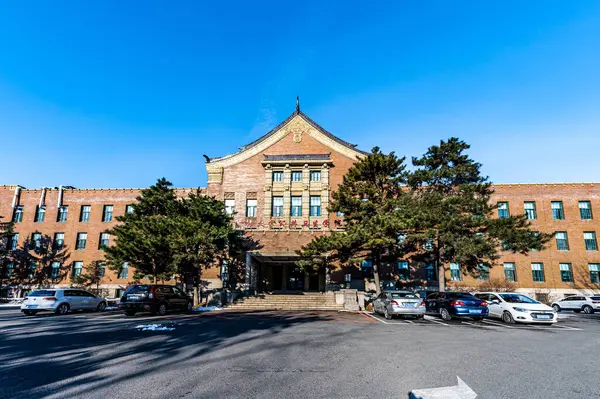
(302,301)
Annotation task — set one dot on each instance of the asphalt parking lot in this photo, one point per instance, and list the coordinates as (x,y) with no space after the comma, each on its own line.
(296,355)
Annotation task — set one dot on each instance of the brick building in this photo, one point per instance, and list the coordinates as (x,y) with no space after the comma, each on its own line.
(279,187)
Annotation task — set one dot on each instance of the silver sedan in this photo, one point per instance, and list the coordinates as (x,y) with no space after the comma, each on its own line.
(395,303)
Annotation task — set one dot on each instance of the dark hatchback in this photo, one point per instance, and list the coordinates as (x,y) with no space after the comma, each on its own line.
(154,298)
(452,304)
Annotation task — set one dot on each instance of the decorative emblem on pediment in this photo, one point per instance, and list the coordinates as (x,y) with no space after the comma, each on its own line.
(296,128)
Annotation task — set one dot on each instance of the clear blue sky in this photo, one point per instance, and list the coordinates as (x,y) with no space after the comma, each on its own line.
(117,94)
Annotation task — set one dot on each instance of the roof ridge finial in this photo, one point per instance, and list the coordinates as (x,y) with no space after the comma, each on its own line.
(297,103)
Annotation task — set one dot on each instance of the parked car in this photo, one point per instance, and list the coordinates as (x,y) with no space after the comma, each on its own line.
(451,304)
(512,307)
(154,298)
(395,303)
(578,303)
(61,301)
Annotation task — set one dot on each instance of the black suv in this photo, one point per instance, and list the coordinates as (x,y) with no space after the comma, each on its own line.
(154,298)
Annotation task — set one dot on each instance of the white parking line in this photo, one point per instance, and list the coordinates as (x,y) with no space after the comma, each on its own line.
(408,321)
(496,324)
(430,318)
(376,318)
(566,327)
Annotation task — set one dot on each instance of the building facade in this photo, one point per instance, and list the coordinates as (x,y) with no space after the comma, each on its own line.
(278,189)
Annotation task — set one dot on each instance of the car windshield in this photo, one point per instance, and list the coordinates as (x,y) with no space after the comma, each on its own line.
(42,293)
(595,298)
(137,289)
(460,295)
(407,295)
(517,298)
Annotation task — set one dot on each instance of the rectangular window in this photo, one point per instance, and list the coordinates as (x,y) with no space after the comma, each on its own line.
(77,268)
(10,269)
(36,241)
(562,244)
(537,272)
(225,272)
(277,206)
(32,269)
(104,240)
(503,212)
(594,272)
(251,205)
(277,176)
(557,210)
(107,213)
(84,216)
(296,176)
(81,241)
(483,272)
(229,206)
(63,213)
(14,242)
(509,272)
(124,272)
(315,205)
(40,214)
(129,209)
(101,269)
(566,274)
(585,210)
(296,206)
(589,237)
(455,273)
(430,273)
(59,241)
(403,270)
(54,272)
(18,214)
(315,175)
(530,212)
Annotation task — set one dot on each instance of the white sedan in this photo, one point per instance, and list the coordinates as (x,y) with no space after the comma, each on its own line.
(512,307)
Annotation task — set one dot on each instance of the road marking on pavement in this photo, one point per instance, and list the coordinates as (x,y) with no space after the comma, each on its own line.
(566,327)
(376,318)
(408,321)
(496,324)
(430,318)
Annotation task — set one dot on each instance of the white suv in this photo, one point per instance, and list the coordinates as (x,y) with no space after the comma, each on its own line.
(60,301)
(578,303)
(513,307)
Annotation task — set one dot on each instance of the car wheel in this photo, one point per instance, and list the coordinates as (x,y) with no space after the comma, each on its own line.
(587,309)
(507,318)
(129,312)
(556,308)
(62,309)
(162,309)
(387,314)
(445,314)
(101,306)
(373,310)
(190,306)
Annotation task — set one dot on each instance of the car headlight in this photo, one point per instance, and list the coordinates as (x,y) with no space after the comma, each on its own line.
(520,309)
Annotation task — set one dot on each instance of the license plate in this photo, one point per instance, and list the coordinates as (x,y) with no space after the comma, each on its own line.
(31,306)
(135,297)
(475,311)
(408,305)
(544,316)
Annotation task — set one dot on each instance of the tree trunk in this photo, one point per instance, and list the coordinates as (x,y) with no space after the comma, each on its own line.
(154,276)
(441,277)
(196,299)
(376,276)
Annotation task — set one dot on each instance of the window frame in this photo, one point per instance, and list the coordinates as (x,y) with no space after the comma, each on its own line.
(81,243)
(100,240)
(404,270)
(85,213)
(313,174)
(62,214)
(314,210)
(455,272)
(229,205)
(277,173)
(40,214)
(562,244)
(73,268)
(538,275)
(557,213)
(587,211)
(530,214)
(501,211)
(510,272)
(566,273)
(276,210)
(591,244)
(296,210)
(253,207)
(295,174)
(596,273)
(18,214)
(107,213)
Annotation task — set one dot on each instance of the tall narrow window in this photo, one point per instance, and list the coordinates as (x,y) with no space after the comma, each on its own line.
(537,272)
(36,241)
(32,269)
(562,244)
(229,206)
(40,214)
(594,272)
(277,176)
(483,272)
(14,242)
(101,269)
(503,212)
(81,241)
(403,270)
(54,272)
(315,205)
(429,272)
(107,213)
(10,269)
(77,268)
(63,213)
(455,273)
(557,210)
(59,241)
(296,206)
(18,214)
(251,205)
(509,272)
(297,175)
(530,212)
(84,216)
(104,240)
(315,175)
(566,274)
(277,209)
(129,208)
(590,241)
(124,272)
(585,210)
(225,272)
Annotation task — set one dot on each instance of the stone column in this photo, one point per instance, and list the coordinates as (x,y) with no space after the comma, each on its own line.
(306,281)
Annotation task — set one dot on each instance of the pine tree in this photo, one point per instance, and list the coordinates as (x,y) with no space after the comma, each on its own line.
(6,231)
(452,218)
(93,275)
